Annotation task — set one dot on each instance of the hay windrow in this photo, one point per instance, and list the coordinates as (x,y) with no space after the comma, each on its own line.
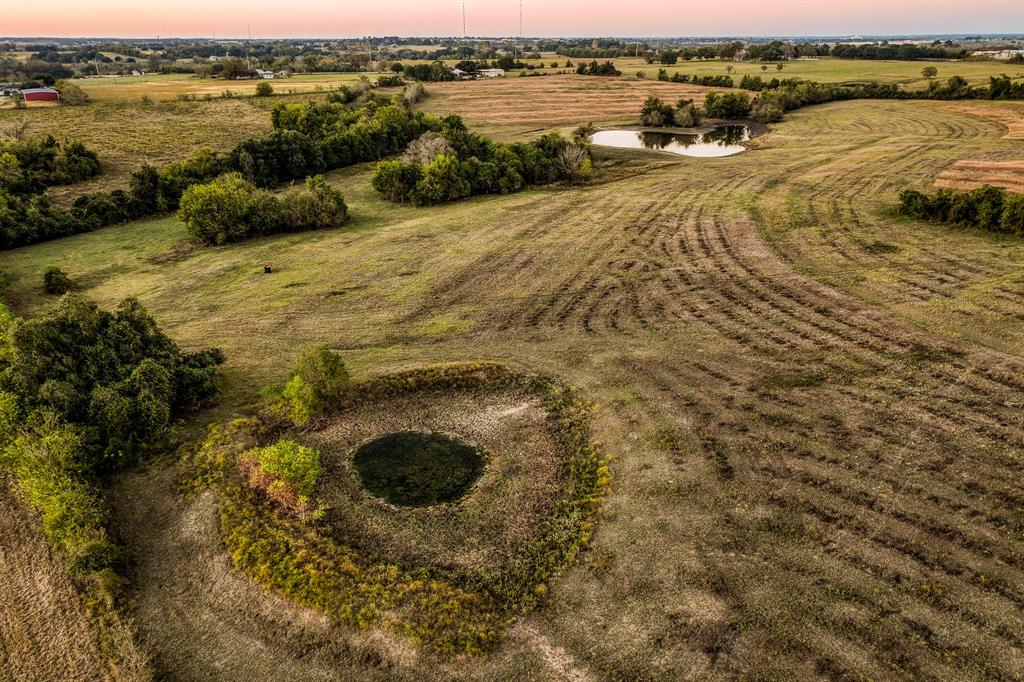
(452,575)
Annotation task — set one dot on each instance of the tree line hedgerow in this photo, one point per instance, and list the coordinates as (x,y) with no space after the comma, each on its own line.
(987,207)
(28,166)
(776,97)
(452,163)
(85,393)
(231,208)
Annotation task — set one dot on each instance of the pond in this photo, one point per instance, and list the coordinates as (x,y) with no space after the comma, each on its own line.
(415,469)
(722,141)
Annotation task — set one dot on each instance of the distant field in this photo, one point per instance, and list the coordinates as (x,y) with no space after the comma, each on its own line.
(170,86)
(126,135)
(829,70)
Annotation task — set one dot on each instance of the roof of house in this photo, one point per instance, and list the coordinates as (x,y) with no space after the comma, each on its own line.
(28,91)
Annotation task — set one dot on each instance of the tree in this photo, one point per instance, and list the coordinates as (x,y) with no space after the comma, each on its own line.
(730,68)
(929,72)
(264,89)
(764,67)
(71,94)
(728,105)
(779,66)
(232,69)
(655,113)
(228,209)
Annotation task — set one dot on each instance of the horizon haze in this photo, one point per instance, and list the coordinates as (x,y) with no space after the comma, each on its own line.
(264,19)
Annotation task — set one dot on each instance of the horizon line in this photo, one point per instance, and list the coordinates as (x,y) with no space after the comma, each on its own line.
(510,37)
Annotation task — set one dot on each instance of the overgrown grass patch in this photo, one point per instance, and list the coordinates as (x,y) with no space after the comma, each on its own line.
(450,577)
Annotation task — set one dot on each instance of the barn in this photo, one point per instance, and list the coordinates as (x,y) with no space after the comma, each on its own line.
(40,95)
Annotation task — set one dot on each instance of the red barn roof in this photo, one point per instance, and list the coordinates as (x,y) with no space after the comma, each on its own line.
(40,95)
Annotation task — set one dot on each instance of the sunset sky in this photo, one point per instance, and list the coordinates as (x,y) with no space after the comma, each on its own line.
(347,18)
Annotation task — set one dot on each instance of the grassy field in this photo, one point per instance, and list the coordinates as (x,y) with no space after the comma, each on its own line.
(815,405)
(159,87)
(832,70)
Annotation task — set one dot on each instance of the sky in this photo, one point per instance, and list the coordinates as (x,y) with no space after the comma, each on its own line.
(353,18)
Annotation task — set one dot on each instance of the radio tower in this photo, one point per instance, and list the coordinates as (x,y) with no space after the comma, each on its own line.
(463,20)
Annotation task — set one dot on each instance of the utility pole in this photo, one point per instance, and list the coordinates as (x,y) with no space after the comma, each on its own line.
(248,62)
(520,21)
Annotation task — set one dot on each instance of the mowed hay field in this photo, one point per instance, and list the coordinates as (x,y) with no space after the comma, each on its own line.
(525,107)
(816,406)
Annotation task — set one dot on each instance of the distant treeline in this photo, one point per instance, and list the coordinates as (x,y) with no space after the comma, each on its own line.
(901,52)
(595,69)
(707,80)
(779,96)
(986,207)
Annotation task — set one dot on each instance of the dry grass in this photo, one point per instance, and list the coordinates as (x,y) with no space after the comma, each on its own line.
(971,174)
(525,106)
(126,136)
(815,404)
(44,632)
(503,510)
(1009,114)
(158,87)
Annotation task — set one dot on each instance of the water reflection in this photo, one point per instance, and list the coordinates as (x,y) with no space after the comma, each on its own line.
(722,141)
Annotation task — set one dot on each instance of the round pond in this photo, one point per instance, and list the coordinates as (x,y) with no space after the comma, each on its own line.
(417,469)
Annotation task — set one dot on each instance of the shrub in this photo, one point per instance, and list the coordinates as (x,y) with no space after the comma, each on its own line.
(655,113)
(70,94)
(231,209)
(115,375)
(228,209)
(286,471)
(56,282)
(29,166)
(264,89)
(282,155)
(396,180)
(319,381)
(427,147)
(686,114)
(990,208)
(315,206)
(464,163)
(727,105)
(83,392)
(768,107)
(595,69)
(1012,220)
(444,180)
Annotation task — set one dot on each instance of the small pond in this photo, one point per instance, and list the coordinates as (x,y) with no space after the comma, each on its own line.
(722,141)
(415,469)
